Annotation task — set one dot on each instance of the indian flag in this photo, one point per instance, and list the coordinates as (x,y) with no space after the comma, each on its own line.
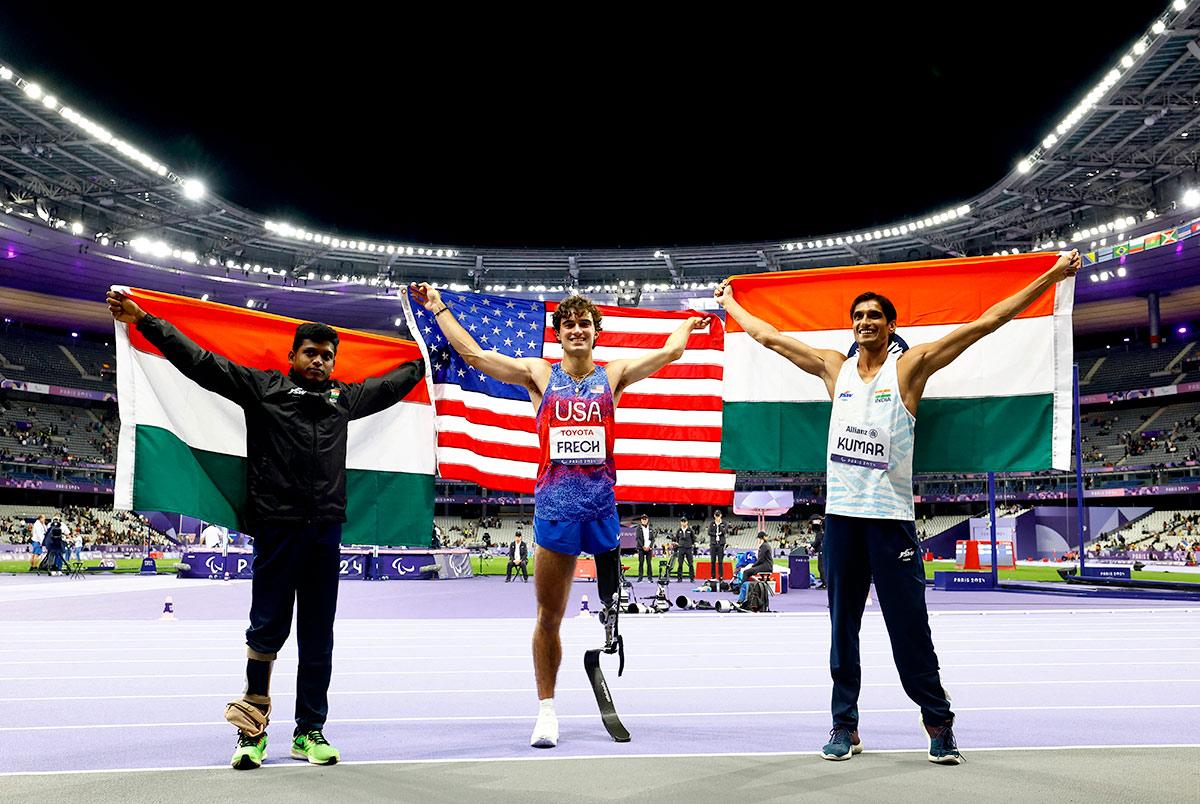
(1003,406)
(182,449)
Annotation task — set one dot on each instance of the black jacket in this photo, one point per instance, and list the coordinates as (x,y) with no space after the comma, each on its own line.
(716,535)
(295,438)
(644,541)
(764,562)
(512,552)
(685,539)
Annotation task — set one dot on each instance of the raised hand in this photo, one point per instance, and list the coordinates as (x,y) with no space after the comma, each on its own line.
(1069,263)
(123,308)
(723,292)
(428,296)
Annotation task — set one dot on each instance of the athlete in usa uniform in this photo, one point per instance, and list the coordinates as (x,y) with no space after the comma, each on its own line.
(869,528)
(575,508)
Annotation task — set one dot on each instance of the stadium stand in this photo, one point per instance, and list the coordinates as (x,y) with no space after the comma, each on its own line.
(1135,368)
(933,525)
(54,359)
(46,430)
(1158,530)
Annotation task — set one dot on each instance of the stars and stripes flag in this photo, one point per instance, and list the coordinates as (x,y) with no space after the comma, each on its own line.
(668,439)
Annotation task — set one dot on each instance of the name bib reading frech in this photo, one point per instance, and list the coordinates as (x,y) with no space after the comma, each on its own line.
(577,445)
(859,446)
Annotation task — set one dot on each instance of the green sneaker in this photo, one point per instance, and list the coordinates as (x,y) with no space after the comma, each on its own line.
(315,748)
(250,752)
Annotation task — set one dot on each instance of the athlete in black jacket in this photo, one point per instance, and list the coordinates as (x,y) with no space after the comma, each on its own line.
(296,430)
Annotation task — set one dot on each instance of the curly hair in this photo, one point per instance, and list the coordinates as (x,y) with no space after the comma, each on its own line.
(575,306)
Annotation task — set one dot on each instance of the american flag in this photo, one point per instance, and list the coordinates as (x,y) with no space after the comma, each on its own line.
(668,439)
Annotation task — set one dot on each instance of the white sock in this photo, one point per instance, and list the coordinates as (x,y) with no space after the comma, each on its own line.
(545,731)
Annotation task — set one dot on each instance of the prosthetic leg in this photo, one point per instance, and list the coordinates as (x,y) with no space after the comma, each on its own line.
(252,712)
(608,581)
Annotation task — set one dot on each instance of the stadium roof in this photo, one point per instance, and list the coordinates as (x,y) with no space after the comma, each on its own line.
(1118,164)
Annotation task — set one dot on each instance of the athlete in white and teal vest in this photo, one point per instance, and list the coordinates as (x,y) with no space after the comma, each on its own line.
(869,529)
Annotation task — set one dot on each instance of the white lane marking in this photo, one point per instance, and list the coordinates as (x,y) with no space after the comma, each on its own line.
(634,715)
(234,656)
(425,672)
(672,688)
(551,757)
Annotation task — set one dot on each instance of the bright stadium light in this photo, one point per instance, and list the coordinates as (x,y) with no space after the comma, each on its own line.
(1139,47)
(50,102)
(1191,198)
(5,74)
(1024,166)
(193,190)
(1121,271)
(1179,5)
(1159,27)
(77,228)
(33,90)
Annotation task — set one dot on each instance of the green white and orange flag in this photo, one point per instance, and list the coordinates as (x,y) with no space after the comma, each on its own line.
(1004,405)
(182,449)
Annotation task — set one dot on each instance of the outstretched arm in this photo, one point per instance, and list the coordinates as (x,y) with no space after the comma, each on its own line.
(920,362)
(623,373)
(209,370)
(823,363)
(528,372)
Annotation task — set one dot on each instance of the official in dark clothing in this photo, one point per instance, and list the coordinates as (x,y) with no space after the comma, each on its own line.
(764,562)
(717,531)
(518,559)
(685,550)
(296,435)
(645,547)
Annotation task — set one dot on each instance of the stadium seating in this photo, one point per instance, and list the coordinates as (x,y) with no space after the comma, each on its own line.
(1149,529)
(933,525)
(80,431)
(1140,367)
(55,360)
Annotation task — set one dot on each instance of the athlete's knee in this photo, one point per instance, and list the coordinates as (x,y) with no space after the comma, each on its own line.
(549,622)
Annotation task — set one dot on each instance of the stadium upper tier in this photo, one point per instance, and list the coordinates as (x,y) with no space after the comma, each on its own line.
(1114,162)
(61,432)
(1135,368)
(55,360)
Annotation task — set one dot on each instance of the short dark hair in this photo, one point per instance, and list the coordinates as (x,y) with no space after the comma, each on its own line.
(762,534)
(315,332)
(889,309)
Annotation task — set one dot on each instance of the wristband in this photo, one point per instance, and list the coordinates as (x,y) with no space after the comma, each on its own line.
(439,312)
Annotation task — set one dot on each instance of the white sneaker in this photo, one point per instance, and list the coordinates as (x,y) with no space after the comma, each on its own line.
(545,731)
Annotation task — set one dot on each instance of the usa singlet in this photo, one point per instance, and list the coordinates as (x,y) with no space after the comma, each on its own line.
(576,432)
(870,450)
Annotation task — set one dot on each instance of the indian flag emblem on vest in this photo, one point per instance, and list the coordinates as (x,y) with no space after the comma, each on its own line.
(1003,406)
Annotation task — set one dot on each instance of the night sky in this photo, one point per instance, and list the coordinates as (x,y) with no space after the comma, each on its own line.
(556,130)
